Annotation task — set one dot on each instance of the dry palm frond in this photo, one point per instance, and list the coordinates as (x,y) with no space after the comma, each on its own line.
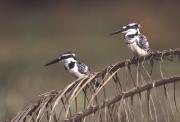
(120,97)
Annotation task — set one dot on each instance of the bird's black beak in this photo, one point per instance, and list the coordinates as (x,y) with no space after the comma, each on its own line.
(53,61)
(117,31)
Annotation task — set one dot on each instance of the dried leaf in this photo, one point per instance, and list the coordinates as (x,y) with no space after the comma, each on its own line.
(100,101)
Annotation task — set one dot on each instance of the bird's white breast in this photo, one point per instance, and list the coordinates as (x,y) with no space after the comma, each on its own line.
(137,50)
(74,71)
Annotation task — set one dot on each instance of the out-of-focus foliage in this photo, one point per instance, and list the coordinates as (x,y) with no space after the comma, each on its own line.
(32,33)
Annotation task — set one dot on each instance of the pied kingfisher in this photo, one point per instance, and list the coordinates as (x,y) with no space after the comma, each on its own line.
(137,42)
(75,67)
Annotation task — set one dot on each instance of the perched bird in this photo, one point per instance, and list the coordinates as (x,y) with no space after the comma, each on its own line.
(136,42)
(75,67)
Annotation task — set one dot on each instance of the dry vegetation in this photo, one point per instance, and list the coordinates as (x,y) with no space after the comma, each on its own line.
(129,91)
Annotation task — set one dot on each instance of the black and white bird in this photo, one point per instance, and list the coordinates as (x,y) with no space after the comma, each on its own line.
(136,42)
(73,66)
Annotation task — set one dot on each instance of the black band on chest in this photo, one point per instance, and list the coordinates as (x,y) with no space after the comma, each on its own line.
(71,65)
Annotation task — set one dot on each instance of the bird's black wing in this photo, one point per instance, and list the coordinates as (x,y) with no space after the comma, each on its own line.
(142,42)
(82,68)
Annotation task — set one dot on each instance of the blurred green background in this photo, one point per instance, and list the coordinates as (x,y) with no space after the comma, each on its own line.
(34,32)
